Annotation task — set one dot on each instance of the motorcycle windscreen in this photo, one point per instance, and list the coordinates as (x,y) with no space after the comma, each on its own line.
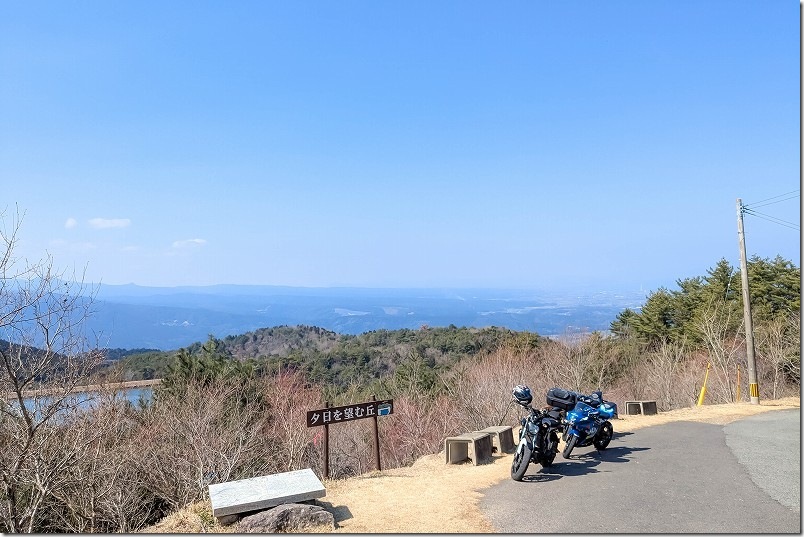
(608,410)
(580,411)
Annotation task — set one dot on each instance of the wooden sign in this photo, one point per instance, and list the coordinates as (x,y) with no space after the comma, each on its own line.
(357,411)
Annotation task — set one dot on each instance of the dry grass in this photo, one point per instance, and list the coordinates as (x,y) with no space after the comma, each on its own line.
(194,518)
(429,497)
(433,497)
(718,414)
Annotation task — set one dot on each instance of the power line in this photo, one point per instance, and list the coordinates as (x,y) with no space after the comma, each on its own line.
(771,218)
(772,202)
(769,201)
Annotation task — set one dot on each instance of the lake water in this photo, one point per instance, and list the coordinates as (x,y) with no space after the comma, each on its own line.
(132,395)
(135,394)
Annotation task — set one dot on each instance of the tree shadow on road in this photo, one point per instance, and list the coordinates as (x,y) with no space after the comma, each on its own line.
(612,454)
(562,469)
(581,464)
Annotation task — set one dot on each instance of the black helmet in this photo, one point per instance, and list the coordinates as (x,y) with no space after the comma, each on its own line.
(522,395)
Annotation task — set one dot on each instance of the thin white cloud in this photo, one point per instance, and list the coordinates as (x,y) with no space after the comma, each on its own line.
(107,223)
(70,223)
(189,243)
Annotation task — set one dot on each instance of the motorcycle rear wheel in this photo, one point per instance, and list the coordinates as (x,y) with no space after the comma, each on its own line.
(521,460)
(570,445)
(603,436)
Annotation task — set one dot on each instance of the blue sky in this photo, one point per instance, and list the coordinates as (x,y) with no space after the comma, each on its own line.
(399,144)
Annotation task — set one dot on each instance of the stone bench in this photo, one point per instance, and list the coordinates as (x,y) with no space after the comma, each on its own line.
(502,438)
(234,498)
(645,408)
(476,446)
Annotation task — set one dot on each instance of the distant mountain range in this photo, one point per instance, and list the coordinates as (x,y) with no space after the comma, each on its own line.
(167,318)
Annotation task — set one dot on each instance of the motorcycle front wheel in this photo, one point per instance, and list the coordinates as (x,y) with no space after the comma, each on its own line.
(570,445)
(603,436)
(521,460)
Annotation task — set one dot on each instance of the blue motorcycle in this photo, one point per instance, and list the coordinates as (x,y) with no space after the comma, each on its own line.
(587,423)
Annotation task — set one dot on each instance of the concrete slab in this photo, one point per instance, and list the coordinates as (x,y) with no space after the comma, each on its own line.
(263,492)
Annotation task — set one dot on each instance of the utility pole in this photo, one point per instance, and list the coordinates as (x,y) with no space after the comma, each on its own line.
(749,325)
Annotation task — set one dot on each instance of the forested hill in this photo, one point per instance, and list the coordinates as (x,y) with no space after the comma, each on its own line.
(279,341)
(328,357)
(687,317)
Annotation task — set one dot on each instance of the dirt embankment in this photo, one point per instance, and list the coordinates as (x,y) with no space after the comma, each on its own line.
(433,497)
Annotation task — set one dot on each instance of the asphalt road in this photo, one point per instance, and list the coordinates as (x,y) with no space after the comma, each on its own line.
(682,477)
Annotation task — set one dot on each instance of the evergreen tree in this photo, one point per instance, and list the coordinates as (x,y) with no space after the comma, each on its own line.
(676,316)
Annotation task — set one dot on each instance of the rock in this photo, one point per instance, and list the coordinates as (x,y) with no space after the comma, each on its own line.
(288,518)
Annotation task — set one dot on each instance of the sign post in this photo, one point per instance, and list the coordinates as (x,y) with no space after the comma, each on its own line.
(339,414)
(326,446)
(376,440)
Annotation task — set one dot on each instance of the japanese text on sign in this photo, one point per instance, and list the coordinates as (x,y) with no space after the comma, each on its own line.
(338,414)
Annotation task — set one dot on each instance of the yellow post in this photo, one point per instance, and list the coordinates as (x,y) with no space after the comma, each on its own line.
(738,383)
(703,388)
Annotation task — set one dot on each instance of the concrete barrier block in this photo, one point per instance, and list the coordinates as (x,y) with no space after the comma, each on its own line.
(502,437)
(476,446)
(646,408)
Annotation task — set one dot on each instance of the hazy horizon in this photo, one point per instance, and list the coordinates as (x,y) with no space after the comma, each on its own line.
(169,318)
